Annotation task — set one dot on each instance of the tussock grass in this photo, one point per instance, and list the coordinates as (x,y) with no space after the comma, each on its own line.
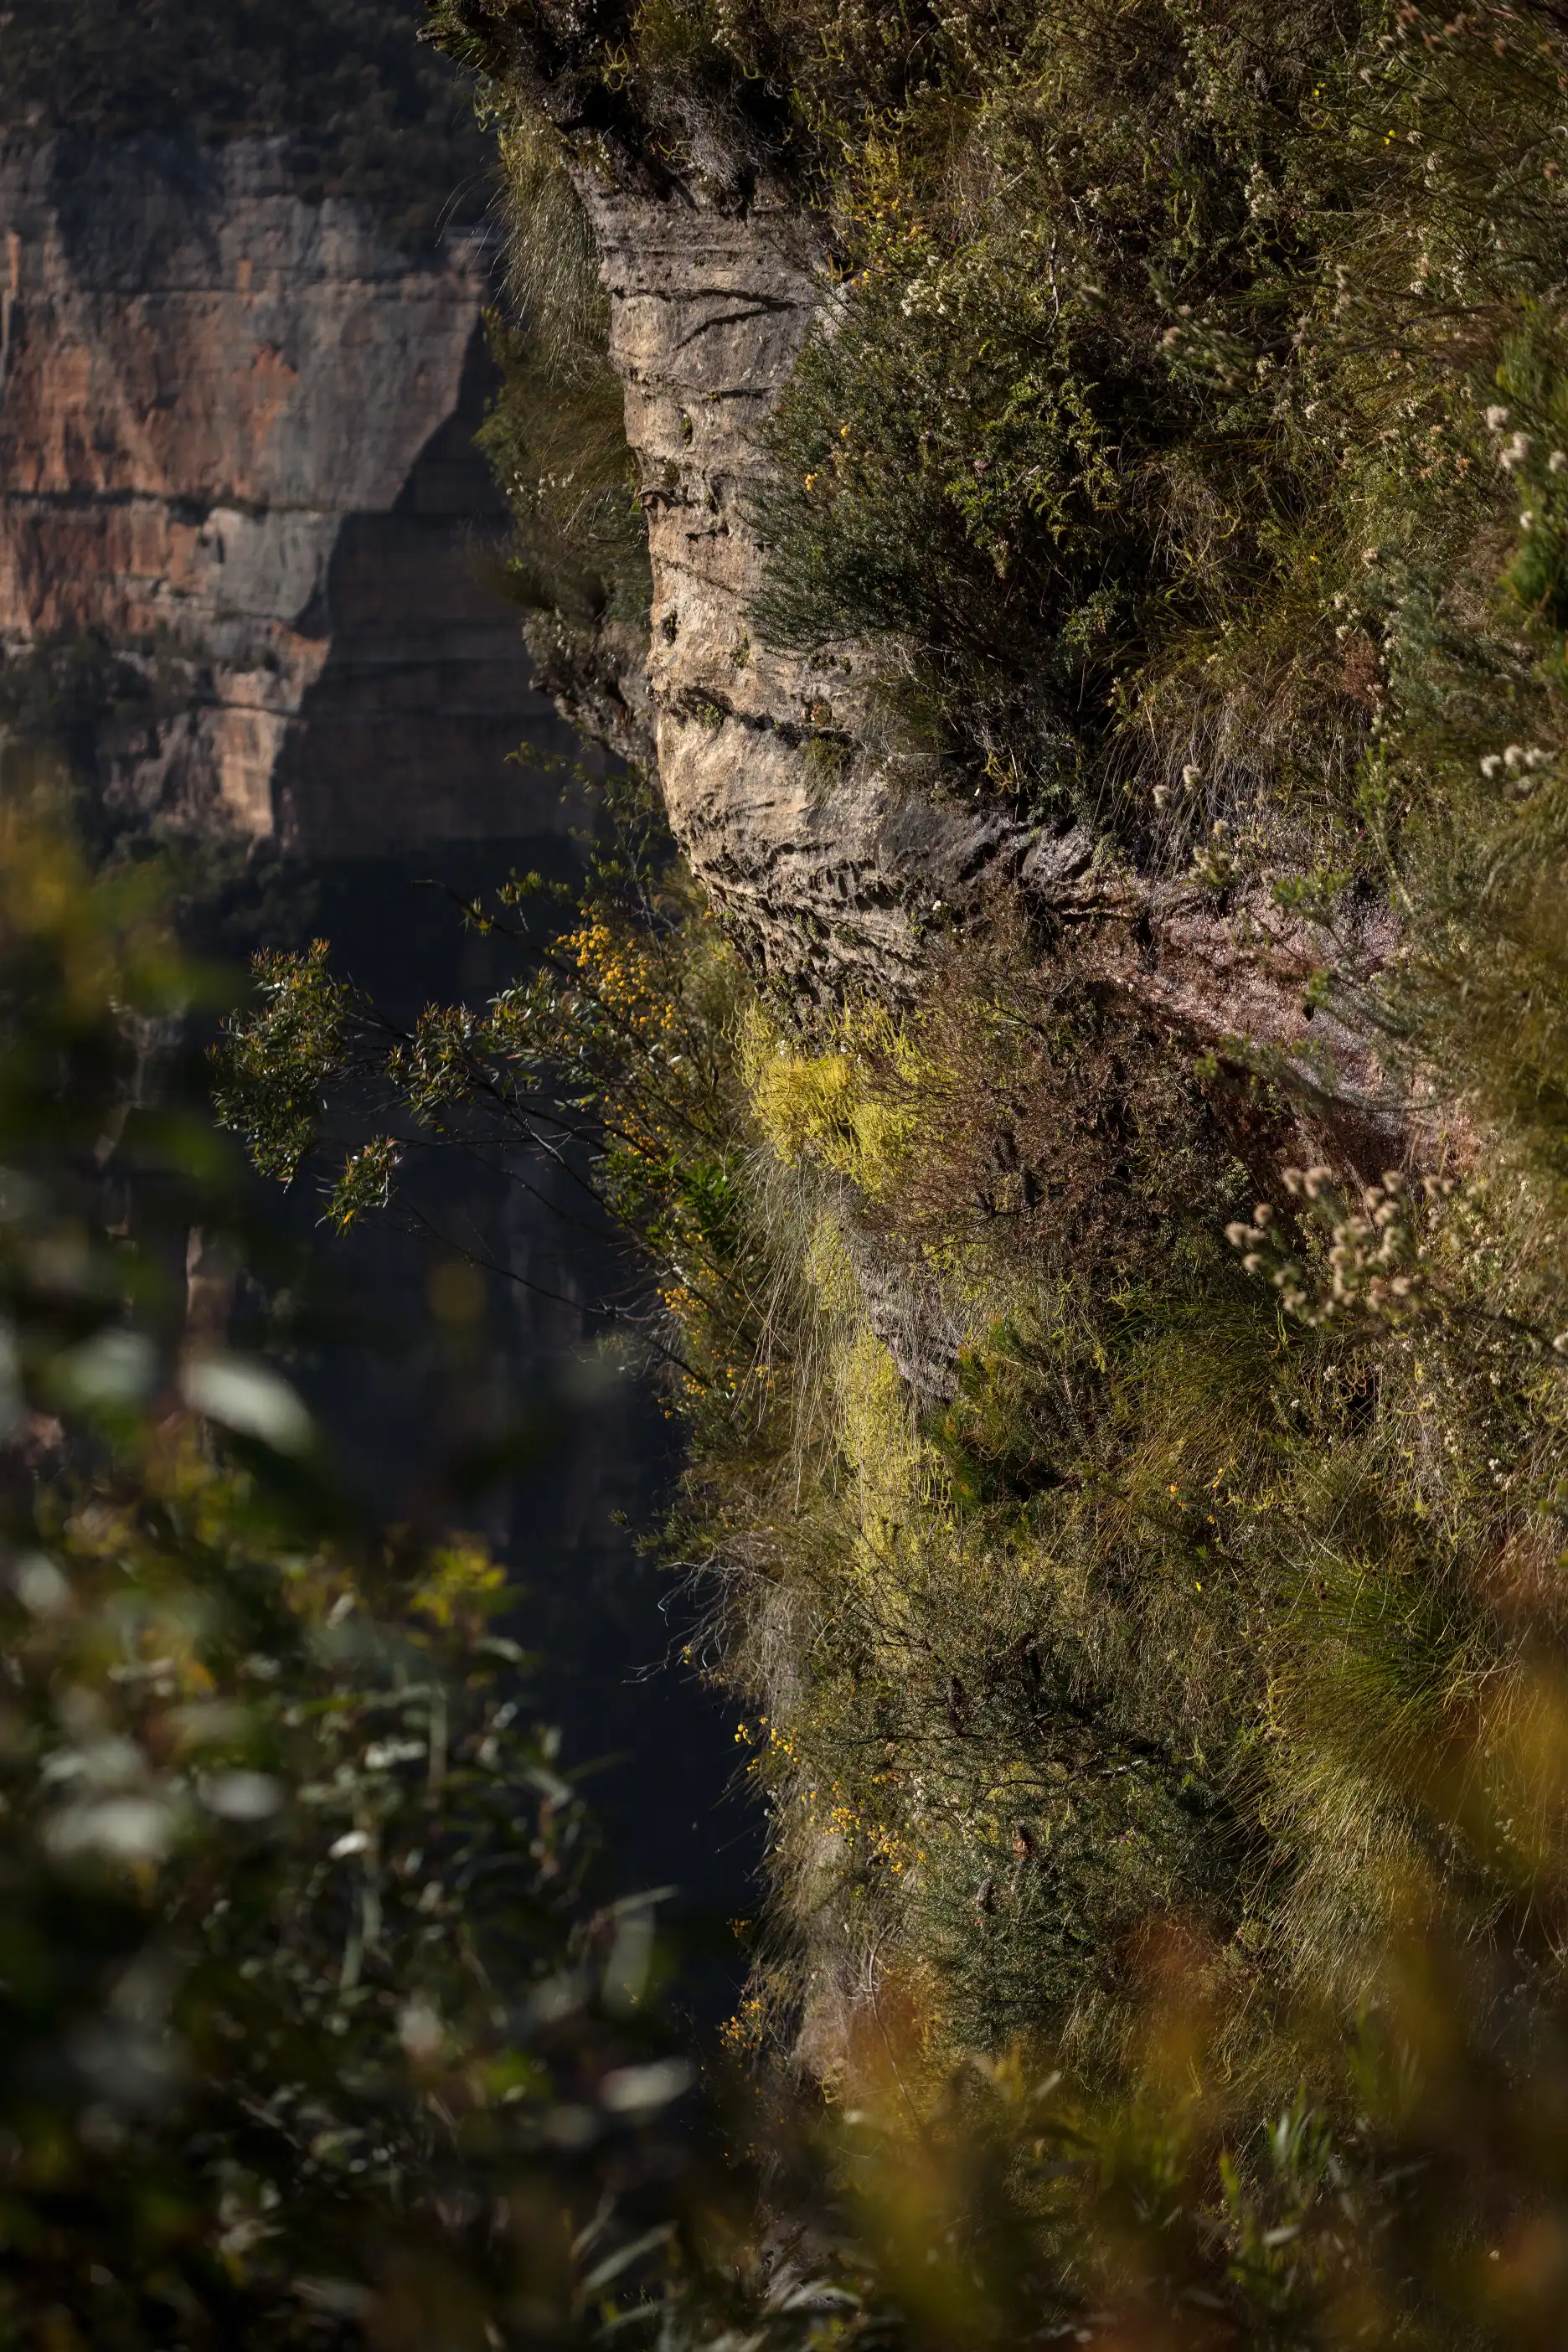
(1173,1609)
(577,558)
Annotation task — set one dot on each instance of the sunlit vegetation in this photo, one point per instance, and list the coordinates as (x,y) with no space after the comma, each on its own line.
(1137,1557)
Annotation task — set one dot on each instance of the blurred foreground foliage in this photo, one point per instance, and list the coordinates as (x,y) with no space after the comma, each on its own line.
(311,2032)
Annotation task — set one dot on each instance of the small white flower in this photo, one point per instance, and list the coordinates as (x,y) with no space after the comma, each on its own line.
(1491,763)
(1513,757)
(421,2032)
(241,1796)
(1527,520)
(1514,451)
(1191,776)
(1557,462)
(352,1842)
(1495,419)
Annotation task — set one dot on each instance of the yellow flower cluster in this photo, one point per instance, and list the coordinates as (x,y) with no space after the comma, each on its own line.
(744,2032)
(621,976)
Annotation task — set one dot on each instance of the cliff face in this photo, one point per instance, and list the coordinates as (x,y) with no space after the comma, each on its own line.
(236,435)
(707,311)
(828,870)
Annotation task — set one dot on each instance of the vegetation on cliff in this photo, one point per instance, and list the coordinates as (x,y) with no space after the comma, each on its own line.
(1130,1488)
(577,563)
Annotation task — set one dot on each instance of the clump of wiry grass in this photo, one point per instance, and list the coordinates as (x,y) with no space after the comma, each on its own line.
(1177,1607)
(578,557)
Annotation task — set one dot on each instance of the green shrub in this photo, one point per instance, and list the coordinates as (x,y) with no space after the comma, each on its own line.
(952,501)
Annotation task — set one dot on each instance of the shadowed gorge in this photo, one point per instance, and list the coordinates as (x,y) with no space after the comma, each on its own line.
(1052,522)
(408,731)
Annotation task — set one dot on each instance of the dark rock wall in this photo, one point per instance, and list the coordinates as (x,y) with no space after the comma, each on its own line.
(409,731)
(234,431)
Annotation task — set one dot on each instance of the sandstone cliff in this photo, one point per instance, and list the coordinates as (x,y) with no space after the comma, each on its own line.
(236,437)
(828,868)
(235,433)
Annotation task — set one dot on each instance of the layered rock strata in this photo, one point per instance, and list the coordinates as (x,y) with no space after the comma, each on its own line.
(827,867)
(236,440)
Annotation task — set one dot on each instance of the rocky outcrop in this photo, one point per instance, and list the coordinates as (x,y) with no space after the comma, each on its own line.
(708,310)
(236,435)
(828,868)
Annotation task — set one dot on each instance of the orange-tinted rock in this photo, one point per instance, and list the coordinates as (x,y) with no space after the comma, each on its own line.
(235,433)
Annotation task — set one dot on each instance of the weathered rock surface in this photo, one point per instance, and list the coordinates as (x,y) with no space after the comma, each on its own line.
(235,434)
(827,868)
(707,311)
